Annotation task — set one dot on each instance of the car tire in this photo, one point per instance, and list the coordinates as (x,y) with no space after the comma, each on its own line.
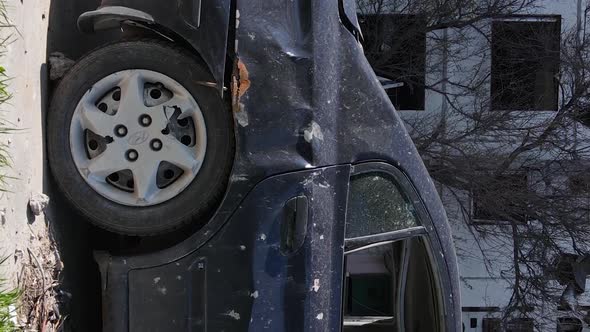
(205,176)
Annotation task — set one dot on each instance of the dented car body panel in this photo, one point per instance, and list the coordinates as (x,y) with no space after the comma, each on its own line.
(307,106)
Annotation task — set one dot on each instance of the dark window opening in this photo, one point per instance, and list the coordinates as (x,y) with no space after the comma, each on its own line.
(525,64)
(501,198)
(520,325)
(569,324)
(395,46)
(491,325)
(579,184)
(564,268)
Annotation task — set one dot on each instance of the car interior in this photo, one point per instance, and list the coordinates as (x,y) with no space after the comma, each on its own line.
(390,287)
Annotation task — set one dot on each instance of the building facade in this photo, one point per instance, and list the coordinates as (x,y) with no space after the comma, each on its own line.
(474,81)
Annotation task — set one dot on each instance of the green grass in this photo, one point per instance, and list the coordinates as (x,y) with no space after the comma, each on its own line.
(8,303)
(5,126)
(8,298)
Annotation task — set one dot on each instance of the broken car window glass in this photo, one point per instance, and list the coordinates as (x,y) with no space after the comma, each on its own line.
(376,204)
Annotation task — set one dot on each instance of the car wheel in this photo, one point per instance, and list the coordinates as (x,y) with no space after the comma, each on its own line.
(135,143)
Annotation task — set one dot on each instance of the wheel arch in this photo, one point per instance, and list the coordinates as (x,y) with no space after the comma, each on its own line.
(111,17)
(114,17)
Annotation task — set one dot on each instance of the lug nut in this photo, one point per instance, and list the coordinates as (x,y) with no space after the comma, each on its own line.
(145,120)
(120,130)
(156,144)
(131,155)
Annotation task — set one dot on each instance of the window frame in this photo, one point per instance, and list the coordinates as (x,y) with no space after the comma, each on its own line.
(364,242)
(525,18)
(425,233)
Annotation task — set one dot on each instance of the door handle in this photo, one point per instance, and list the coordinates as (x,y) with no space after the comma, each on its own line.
(294,225)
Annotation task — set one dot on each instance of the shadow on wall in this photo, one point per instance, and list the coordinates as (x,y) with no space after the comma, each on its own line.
(75,238)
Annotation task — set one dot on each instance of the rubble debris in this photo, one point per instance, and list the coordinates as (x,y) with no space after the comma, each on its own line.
(38,202)
(59,65)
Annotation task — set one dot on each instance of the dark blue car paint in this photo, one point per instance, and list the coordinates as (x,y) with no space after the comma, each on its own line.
(304,99)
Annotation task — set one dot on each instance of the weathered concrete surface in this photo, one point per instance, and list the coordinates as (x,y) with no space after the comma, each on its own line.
(42,27)
(33,263)
(24,62)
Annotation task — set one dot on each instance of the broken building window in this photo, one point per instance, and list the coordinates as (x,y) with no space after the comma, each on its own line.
(491,325)
(579,184)
(501,198)
(525,63)
(395,46)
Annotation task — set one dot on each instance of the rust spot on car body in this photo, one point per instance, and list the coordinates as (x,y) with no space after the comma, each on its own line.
(240,84)
(244,80)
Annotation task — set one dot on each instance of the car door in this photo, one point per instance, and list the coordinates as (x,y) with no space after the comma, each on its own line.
(275,265)
(391,279)
(298,254)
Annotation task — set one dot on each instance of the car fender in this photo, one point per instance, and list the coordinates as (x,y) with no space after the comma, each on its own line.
(188,23)
(111,17)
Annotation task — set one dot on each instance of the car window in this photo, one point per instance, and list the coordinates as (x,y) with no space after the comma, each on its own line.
(370,282)
(390,287)
(376,204)
(390,280)
(421,312)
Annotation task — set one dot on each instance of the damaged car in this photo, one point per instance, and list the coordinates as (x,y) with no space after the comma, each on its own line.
(258,131)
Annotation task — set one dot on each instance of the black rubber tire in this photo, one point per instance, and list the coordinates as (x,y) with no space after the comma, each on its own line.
(200,197)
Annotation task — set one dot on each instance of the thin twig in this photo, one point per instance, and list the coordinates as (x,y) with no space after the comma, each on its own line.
(42,297)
